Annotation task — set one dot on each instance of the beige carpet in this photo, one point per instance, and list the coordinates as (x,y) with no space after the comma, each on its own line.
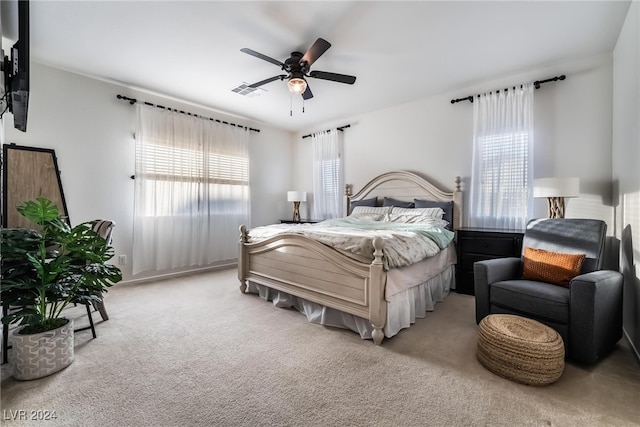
(194,351)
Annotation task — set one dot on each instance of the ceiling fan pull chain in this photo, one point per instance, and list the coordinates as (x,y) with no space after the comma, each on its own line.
(290,105)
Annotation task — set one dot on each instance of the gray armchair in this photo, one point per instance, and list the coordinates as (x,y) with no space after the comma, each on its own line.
(588,314)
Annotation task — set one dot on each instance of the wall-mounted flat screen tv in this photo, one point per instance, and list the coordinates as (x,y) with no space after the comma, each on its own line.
(16,71)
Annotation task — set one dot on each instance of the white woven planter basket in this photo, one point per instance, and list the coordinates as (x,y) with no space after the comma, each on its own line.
(38,355)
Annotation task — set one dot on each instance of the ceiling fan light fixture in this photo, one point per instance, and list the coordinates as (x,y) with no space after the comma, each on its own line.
(298,66)
(297,85)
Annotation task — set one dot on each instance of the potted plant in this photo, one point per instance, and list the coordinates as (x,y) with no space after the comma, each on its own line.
(43,271)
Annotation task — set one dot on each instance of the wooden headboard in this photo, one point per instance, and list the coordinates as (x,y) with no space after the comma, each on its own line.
(406,186)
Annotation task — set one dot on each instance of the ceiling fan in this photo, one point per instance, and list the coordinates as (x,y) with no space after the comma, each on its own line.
(297,68)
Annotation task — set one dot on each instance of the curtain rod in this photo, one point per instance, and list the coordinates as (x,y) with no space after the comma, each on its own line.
(341,128)
(536,84)
(162,107)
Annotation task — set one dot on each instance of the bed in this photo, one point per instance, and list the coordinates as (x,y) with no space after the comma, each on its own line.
(361,293)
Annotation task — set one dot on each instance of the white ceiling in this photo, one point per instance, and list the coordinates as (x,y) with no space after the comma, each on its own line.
(399,51)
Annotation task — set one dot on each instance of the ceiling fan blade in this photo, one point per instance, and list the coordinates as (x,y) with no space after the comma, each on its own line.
(334,77)
(315,51)
(307,93)
(261,56)
(269,80)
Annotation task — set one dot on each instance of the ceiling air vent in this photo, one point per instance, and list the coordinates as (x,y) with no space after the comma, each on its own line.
(245,90)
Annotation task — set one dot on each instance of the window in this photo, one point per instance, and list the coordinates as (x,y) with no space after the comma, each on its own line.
(191,190)
(331,173)
(328,181)
(192,176)
(502,175)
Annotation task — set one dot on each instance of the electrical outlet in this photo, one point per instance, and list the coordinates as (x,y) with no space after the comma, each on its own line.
(122,260)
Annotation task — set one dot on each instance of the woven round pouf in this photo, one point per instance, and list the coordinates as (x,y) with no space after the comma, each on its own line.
(520,349)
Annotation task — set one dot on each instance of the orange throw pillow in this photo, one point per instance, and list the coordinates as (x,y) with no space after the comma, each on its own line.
(551,267)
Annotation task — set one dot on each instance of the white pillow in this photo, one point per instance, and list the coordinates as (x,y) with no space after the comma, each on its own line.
(378,210)
(371,217)
(437,213)
(418,219)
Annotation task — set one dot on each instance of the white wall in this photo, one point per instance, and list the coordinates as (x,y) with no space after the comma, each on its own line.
(433,137)
(626,166)
(91,132)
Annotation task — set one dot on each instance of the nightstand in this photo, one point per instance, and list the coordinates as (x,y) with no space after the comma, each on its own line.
(302,221)
(477,244)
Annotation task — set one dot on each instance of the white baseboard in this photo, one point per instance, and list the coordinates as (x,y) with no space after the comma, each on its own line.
(180,273)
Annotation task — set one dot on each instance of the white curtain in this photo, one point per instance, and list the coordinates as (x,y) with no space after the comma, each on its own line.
(328,177)
(191,190)
(502,172)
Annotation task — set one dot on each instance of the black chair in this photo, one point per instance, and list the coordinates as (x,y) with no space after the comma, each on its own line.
(105,229)
(587,313)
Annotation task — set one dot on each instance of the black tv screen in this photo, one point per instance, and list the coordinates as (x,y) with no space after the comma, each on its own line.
(16,71)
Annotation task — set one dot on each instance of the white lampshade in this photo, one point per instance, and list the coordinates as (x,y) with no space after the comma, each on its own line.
(297,85)
(556,187)
(296,196)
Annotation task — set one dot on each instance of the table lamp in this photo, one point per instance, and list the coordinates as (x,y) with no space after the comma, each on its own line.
(296,197)
(556,190)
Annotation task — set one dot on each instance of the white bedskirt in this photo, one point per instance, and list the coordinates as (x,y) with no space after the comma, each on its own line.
(402,308)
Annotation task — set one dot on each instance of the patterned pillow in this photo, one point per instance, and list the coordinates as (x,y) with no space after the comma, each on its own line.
(418,219)
(430,212)
(369,216)
(447,207)
(365,202)
(370,210)
(551,267)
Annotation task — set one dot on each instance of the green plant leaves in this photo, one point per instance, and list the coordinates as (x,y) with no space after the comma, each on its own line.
(41,211)
(44,271)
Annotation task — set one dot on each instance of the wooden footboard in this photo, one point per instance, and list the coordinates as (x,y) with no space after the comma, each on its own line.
(307,269)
